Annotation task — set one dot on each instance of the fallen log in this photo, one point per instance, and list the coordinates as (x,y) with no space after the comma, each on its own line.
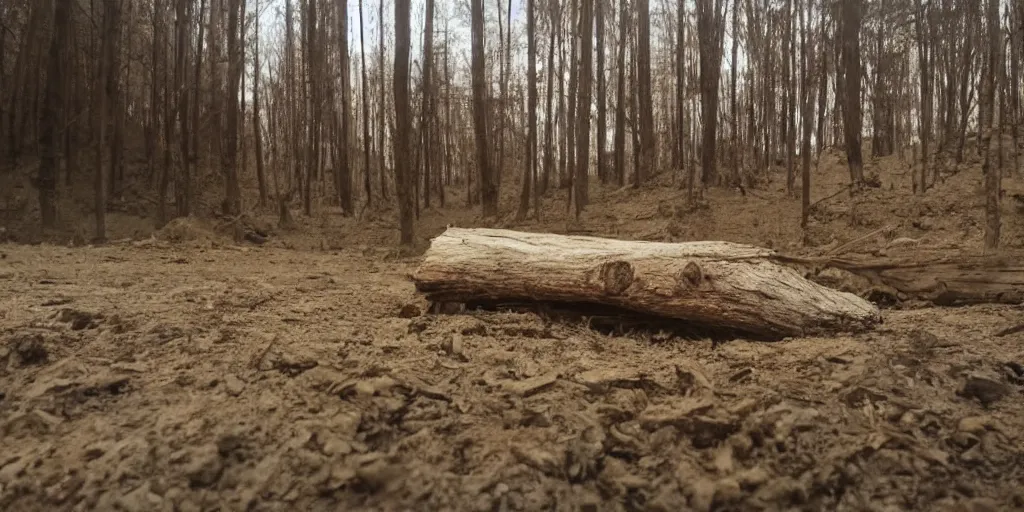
(940,279)
(718,284)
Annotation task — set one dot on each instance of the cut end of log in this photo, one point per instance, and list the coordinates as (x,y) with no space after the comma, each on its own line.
(717,285)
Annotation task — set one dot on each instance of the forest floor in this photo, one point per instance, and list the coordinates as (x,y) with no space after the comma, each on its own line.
(181,371)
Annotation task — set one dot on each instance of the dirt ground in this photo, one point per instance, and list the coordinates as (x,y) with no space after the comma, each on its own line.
(185,372)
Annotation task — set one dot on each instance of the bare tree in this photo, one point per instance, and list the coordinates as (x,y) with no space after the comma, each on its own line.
(991,132)
(367,187)
(233,192)
(710,27)
(428,99)
(620,98)
(345,124)
(257,71)
(46,180)
(530,169)
(602,93)
(851,21)
(586,72)
(488,182)
(403,122)
(648,151)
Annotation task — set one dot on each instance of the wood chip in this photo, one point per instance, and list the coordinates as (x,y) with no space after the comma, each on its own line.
(532,385)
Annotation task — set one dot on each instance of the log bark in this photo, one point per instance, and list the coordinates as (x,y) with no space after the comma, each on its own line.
(709,284)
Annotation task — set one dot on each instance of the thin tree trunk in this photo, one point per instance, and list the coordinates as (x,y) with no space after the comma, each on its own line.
(367,187)
(428,99)
(488,185)
(345,126)
(586,73)
(648,151)
(991,131)
(602,94)
(925,73)
(383,111)
(807,111)
(46,180)
(549,146)
(530,169)
(620,98)
(403,122)
(233,193)
(852,84)
(261,176)
(183,182)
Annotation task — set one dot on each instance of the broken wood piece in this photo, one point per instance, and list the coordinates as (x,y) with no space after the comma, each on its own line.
(711,284)
(937,277)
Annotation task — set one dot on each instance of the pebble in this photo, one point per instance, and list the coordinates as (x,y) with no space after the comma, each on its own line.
(205,468)
(140,500)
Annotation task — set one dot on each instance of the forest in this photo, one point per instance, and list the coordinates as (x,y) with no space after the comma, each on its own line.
(325,104)
(504,255)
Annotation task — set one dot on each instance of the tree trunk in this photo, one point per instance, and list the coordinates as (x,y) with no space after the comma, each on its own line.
(261,176)
(992,132)
(488,183)
(216,82)
(715,284)
(925,72)
(709,29)
(806,111)
(233,192)
(530,169)
(367,186)
(345,125)
(403,122)
(115,100)
(383,121)
(737,153)
(648,151)
(852,84)
(183,179)
(602,94)
(586,72)
(428,99)
(46,180)
(620,98)
(549,145)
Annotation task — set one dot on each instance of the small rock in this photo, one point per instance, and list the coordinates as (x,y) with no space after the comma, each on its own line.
(454,346)
(96,450)
(924,224)
(702,495)
(752,478)
(727,490)
(233,385)
(139,500)
(380,475)
(981,504)
(409,311)
(30,350)
(977,424)
(986,391)
(205,468)
(229,444)
(533,385)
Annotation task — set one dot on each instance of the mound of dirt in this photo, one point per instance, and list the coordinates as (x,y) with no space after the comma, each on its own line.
(186,229)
